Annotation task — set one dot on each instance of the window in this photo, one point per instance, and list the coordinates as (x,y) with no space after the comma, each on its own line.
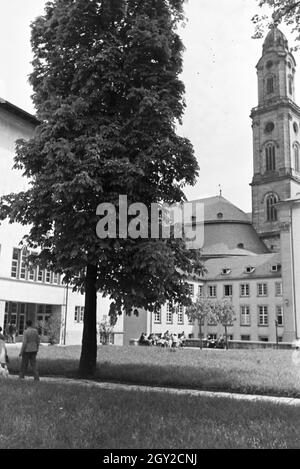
(279,315)
(21,320)
(200,290)
(245,315)
(56,279)
(225,271)
(263,338)
(230,336)
(278,288)
(270,85)
(245,337)
(270,157)
(276,268)
(31,274)
(249,270)
(79,313)
(15,263)
(270,205)
(23,270)
(191,288)
(213,336)
(262,289)
(180,314)
(47,276)
(40,277)
(212,291)
(227,290)
(169,316)
(244,289)
(263,317)
(157,317)
(290,80)
(296,158)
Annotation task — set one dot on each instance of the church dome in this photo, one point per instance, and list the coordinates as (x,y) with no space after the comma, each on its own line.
(275,39)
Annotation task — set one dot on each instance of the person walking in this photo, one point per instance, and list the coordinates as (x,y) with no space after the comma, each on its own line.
(3,356)
(29,350)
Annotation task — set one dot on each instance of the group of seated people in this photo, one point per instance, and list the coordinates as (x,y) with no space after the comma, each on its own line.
(210,342)
(163,340)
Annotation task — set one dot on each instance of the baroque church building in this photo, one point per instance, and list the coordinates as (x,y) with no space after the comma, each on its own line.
(276,137)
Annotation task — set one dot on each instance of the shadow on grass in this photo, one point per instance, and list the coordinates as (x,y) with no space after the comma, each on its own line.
(230,376)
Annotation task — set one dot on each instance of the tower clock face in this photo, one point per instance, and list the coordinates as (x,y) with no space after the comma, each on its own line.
(269,127)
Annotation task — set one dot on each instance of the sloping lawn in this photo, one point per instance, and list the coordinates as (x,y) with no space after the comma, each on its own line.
(51,415)
(274,372)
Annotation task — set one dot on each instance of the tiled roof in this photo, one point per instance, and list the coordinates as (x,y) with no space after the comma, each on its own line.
(18,111)
(237,267)
(216,206)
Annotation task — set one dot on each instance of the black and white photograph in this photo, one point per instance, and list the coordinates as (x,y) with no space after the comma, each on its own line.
(149,228)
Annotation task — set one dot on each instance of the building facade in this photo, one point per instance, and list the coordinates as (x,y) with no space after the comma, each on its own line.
(33,293)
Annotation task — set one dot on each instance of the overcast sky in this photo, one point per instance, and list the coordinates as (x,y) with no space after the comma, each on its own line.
(219,74)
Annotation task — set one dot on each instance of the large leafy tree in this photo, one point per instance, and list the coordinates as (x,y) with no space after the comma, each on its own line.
(108,96)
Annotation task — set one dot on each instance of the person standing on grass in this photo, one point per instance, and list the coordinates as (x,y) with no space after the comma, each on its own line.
(29,350)
(3,352)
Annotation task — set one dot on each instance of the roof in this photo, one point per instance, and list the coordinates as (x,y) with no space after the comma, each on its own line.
(228,231)
(222,250)
(237,267)
(219,209)
(18,112)
(275,39)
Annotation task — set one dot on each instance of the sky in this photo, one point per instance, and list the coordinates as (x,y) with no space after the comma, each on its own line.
(219,75)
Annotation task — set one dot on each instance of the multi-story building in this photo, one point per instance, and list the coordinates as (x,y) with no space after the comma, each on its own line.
(32,293)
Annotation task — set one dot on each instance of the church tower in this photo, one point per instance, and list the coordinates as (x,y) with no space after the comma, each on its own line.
(276,137)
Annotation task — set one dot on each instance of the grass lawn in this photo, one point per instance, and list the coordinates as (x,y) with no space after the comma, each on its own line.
(51,415)
(271,372)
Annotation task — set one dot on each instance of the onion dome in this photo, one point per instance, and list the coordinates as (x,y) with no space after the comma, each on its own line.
(275,39)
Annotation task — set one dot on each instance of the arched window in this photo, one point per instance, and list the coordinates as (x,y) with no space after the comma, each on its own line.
(296,158)
(271,200)
(290,80)
(270,157)
(270,85)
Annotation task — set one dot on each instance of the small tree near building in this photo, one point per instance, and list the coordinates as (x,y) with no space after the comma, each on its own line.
(105,330)
(199,311)
(223,312)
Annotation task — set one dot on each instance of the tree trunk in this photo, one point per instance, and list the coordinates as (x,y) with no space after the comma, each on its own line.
(88,358)
(200,333)
(226,340)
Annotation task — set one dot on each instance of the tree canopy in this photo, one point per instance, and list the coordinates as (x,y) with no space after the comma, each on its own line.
(275,12)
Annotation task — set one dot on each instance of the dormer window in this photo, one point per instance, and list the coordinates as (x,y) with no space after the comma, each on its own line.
(225,271)
(249,270)
(220,215)
(276,268)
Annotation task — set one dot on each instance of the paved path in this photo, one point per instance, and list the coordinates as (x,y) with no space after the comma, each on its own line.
(182,392)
